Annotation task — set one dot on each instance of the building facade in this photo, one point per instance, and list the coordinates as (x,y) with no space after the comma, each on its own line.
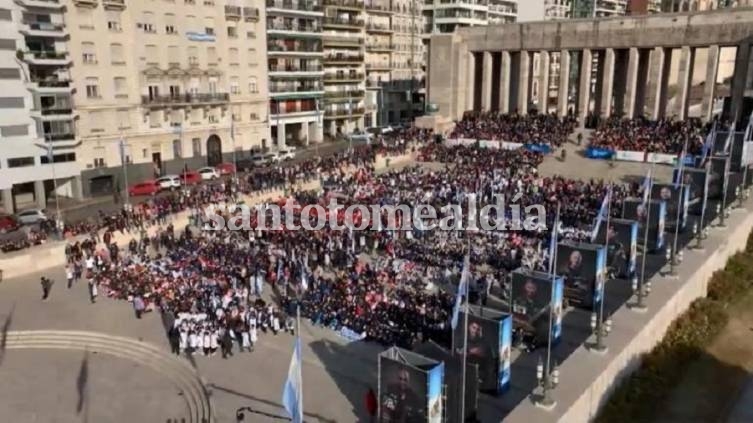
(166,85)
(598,8)
(296,89)
(444,16)
(701,5)
(37,123)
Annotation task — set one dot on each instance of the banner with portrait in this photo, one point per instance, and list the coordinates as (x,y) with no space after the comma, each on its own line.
(719,170)
(583,269)
(623,245)
(410,387)
(697,179)
(675,196)
(482,344)
(652,214)
(532,297)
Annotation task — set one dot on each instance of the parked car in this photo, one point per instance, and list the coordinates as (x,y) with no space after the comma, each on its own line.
(190,177)
(31,216)
(226,168)
(144,188)
(209,173)
(286,153)
(265,159)
(8,223)
(169,182)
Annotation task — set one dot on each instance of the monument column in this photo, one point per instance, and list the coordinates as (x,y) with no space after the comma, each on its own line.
(584,85)
(504,82)
(543,82)
(684,78)
(524,82)
(709,87)
(631,84)
(564,83)
(607,83)
(470,89)
(740,80)
(486,82)
(656,86)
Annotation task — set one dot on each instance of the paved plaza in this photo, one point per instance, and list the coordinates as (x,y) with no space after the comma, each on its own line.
(336,374)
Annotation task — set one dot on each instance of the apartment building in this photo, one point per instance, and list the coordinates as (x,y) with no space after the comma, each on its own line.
(295,50)
(700,5)
(598,8)
(543,10)
(165,85)
(344,67)
(37,123)
(394,62)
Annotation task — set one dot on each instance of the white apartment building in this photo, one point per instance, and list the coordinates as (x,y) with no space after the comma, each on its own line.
(295,51)
(543,10)
(693,5)
(445,15)
(183,84)
(37,123)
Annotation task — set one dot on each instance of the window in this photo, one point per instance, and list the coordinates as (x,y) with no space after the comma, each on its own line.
(121,89)
(211,56)
(11,102)
(96,122)
(152,56)
(92,87)
(233,56)
(89,53)
(147,23)
(99,162)
(14,130)
(177,149)
(196,146)
(253,86)
(85,17)
(124,119)
(193,55)
(21,162)
(209,26)
(58,158)
(250,34)
(232,32)
(192,25)
(170,24)
(113,21)
(10,73)
(234,87)
(116,54)
(5,15)
(173,55)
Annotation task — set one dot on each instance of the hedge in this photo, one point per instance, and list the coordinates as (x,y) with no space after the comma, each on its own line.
(640,394)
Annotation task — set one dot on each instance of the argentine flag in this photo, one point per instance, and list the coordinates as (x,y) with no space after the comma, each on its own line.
(603,213)
(462,290)
(646,187)
(292,393)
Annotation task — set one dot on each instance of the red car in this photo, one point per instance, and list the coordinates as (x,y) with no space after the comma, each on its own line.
(225,168)
(144,188)
(8,223)
(190,177)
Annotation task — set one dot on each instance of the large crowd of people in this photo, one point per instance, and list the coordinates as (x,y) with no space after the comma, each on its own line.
(534,128)
(650,136)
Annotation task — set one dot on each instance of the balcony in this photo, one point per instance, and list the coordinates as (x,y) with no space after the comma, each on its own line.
(290,109)
(233,13)
(60,113)
(275,28)
(379,8)
(48,58)
(50,85)
(250,14)
(43,29)
(114,4)
(308,8)
(59,136)
(289,92)
(185,99)
(41,4)
(293,71)
(298,50)
(345,4)
(378,66)
(332,22)
(86,3)
(343,113)
(379,28)
(343,95)
(335,41)
(343,59)
(344,77)
(377,48)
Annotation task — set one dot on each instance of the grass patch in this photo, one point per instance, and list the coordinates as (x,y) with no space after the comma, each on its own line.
(640,395)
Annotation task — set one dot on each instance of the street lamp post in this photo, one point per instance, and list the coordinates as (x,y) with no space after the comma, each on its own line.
(601,329)
(547,380)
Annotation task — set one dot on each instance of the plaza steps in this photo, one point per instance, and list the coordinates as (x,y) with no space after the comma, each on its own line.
(178,371)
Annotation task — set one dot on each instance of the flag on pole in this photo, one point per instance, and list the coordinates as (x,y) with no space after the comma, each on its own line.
(749,128)
(50,153)
(462,289)
(304,279)
(279,269)
(121,145)
(646,187)
(553,240)
(681,165)
(602,213)
(292,393)
(709,144)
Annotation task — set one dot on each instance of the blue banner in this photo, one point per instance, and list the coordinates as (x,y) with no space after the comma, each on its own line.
(599,153)
(685,205)
(539,148)
(601,276)
(505,353)
(660,225)
(558,291)
(633,248)
(436,381)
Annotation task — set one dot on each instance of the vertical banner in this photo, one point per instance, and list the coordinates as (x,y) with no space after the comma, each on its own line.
(436,381)
(532,297)
(403,392)
(483,344)
(601,276)
(633,248)
(505,353)
(622,237)
(582,267)
(557,304)
(634,209)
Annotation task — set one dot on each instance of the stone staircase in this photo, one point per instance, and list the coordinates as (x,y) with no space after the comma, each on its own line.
(178,371)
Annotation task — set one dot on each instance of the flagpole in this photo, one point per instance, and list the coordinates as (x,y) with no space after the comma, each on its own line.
(300,358)
(674,261)
(551,313)
(465,333)
(640,305)
(599,329)
(725,177)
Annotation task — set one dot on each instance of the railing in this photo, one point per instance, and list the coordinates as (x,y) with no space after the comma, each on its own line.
(234,11)
(306,6)
(342,21)
(117,3)
(281,26)
(275,109)
(186,98)
(44,26)
(344,112)
(291,68)
(377,27)
(342,77)
(48,54)
(53,111)
(343,94)
(51,83)
(63,136)
(356,4)
(250,13)
(343,57)
(378,66)
(350,41)
(303,48)
(378,7)
(388,46)
(294,88)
